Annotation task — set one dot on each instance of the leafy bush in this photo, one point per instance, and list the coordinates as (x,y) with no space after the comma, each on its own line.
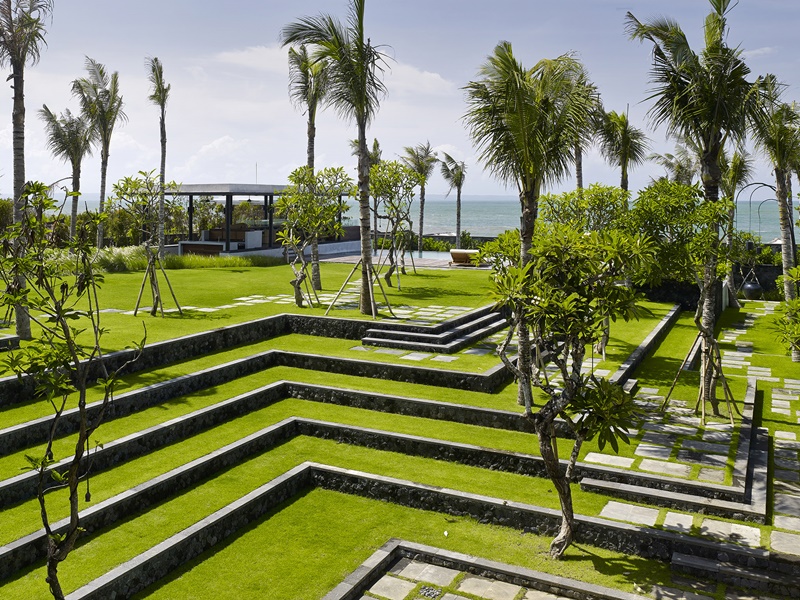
(133,258)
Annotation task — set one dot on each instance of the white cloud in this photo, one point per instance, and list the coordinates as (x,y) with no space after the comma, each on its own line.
(758,52)
(405,79)
(270,59)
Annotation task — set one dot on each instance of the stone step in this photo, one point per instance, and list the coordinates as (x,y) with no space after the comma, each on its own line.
(436,338)
(459,337)
(751,578)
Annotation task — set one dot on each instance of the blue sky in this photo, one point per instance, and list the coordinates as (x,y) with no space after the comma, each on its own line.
(229,108)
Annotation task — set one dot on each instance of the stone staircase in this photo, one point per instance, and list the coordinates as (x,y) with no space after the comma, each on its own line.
(445,338)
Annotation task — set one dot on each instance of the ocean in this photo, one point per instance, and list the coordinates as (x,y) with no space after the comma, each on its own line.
(488,216)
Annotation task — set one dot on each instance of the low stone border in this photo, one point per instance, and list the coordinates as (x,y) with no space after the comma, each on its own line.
(626,369)
(372,569)
(148,567)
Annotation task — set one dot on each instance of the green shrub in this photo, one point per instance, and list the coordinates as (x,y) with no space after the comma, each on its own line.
(133,258)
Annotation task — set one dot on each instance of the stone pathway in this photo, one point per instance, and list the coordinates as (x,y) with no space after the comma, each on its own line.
(434,582)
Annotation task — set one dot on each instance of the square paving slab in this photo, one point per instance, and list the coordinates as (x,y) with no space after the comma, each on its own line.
(420,571)
(392,588)
(489,588)
(731,532)
(788,543)
(628,512)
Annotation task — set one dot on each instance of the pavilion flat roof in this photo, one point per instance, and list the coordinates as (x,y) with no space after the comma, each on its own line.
(234,189)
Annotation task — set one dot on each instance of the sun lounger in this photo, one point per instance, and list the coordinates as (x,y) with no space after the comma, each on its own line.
(462,257)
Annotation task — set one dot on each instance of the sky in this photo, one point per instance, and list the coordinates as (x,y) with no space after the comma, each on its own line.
(230,120)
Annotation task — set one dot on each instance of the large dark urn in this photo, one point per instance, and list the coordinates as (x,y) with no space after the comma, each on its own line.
(752,290)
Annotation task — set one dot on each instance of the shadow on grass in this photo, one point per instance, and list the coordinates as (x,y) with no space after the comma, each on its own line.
(633,569)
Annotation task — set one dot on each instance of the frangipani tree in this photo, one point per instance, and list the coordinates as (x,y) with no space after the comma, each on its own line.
(393,183)
(311,205)
(564,292)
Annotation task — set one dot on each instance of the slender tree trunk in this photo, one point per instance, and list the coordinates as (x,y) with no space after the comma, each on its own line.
(312,134)
(163,124)
(76,187)
(23,320)
(623,182)
(547,448)
(529,205)
(578,167)
(316,279)
(103,174)
(785,218)
(733,301)
(365,303)
(458,217)
(421,217)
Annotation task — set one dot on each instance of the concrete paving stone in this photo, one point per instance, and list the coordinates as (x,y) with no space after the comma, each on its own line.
(765,378)
(732,365)
(785,463)
(667,593)
(678,522)
(690,456)
(787,504)
(786,435)
(662,439)
(449,596)
(784,475)
(538,595)
(648,406)
(780,403)
(444,358)
(629,512)
(712,475)
(417,356)
(602,372)
(666,468)
(392,351)
(685,420)
(786,453)
(722,437)
(792,444)
(648,390)
(666,428)
(651,451)
(781,411)
(706,447)
(609,459)
(790,523)
(392,588)
(788,543)
(789,381)
(731,532)
(488,588)
(789,394)
(205,310)
(477,351)
(420,571)
(361,349)
(684,412)
(678,403)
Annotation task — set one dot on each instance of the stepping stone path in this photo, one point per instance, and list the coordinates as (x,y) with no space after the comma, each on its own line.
(428,580)
(787,492)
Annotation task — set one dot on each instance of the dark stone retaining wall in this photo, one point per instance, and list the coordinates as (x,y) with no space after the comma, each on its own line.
(150,566)
(626,369)
(14,390)
(147,568)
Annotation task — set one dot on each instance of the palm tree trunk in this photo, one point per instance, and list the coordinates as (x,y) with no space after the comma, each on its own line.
(421,217)
(623,182)
(578,167)
(76,187)
(711,175)
(365,303)
(103,174)
(161,175)
(23,320)
(312,134)
(529,205)
(458,217)
(785,217)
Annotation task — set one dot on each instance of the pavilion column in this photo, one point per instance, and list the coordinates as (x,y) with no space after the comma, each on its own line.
(270,215)
(228,220)
(191,217)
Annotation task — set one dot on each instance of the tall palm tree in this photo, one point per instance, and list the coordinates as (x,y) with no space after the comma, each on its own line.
(621,144)
(373,158)
(454,173)
(705,97)
(778,136)
(102,104)
(308,84)
(421,159)
(524,123)
(159,96)
(586,130)
(21,40)
(69,137)
(355,89)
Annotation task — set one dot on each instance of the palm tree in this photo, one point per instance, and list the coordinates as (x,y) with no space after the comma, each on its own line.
(355,89)
(69,137)
(704,97)
(308,84)
(421,159)
(681,167)
(373,158)
(102,104)
(524,123)
(778,136)
(21,39)
(621,144)
(587,129)
(159,96)
(454,173)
